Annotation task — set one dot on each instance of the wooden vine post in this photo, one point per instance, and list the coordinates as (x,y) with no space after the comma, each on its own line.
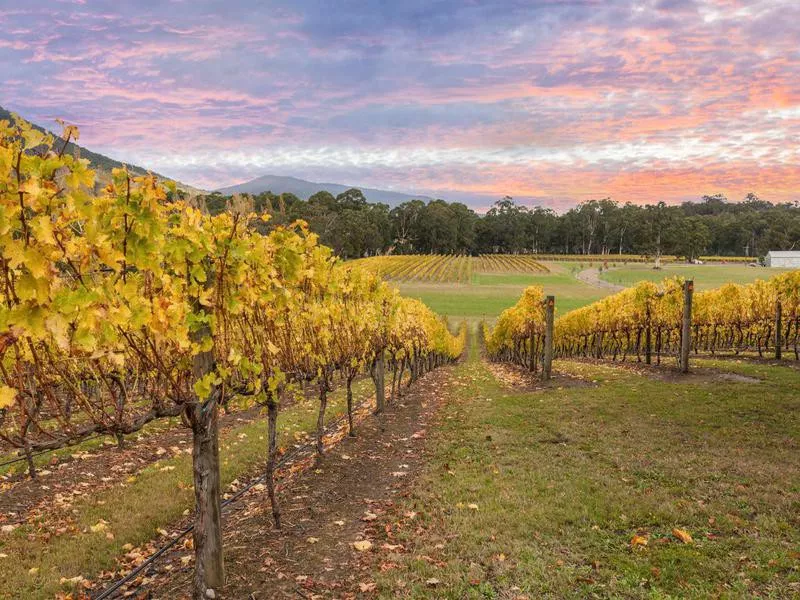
(686,326)
(378,378)
(778,325)
(549,312)
(202,415)
(648,338)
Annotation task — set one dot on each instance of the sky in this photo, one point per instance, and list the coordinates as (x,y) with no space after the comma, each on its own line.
(549,102)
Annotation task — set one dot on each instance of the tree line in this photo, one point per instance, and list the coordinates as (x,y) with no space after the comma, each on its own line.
(713,226)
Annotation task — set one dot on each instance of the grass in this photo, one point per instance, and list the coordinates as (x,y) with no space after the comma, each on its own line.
(539,494)
(704,276)
(156,497)
(489,294)
(88,445)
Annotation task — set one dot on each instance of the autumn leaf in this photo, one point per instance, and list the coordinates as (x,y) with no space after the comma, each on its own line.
(362,545)
(99,527)
(7,396)
(682,535)
(638,540)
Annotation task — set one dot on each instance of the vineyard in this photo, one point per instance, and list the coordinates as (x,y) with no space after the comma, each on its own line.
(646,319)
(125,308)
(223,361)
(443,268)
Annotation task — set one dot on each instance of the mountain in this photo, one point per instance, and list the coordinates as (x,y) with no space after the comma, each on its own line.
(100,163)
(303,189)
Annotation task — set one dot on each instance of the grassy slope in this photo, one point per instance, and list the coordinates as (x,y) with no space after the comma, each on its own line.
(563,479)
(705,276)
(157,497)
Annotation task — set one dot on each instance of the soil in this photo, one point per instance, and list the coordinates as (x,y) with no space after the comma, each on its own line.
(522,380)
(23,498)
(344,498)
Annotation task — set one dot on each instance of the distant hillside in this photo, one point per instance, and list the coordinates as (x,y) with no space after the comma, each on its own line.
(303,189)
(99,162)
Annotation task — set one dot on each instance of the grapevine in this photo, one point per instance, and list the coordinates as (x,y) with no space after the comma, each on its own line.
(123,307)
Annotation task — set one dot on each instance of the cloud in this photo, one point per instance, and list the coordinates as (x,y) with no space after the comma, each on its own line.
(550,101)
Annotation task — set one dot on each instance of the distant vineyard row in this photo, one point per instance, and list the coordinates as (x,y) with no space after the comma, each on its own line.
(637,258)
(448,267)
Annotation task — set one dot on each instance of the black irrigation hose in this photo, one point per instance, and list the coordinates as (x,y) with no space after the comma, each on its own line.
(188,529)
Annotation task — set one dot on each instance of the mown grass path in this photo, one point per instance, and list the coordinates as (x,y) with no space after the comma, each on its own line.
(532,494)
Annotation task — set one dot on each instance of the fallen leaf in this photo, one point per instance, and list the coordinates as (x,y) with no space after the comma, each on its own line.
(367,587)
(362,545)
(392,547)
(99,526)
(682,535)
(433,582)
(638,540)
(312,540)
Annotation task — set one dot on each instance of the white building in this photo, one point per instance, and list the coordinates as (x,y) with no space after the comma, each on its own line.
(783,258)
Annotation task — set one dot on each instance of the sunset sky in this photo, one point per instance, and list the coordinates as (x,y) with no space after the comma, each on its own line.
(549,102)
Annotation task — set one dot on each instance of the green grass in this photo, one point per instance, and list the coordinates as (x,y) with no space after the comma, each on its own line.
(704,276)
(561,480)
(155,498)
(490,293)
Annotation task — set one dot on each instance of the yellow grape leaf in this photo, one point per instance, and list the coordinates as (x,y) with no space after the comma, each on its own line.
(682,535)
(638,540)
(7,396)
(362,545)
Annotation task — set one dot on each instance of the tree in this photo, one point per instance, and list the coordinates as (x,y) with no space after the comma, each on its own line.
(690,237)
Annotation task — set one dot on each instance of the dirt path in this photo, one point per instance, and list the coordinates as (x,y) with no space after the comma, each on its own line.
(326,509)
(591,277)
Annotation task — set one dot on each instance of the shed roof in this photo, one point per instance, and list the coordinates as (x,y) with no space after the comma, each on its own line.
(784,253)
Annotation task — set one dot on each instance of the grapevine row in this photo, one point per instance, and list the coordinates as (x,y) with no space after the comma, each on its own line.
(647,318)
(733,317)
(126,306)
(448,267)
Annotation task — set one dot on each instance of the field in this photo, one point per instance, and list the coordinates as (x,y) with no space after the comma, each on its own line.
(705,276)
(479,288)
(489,293)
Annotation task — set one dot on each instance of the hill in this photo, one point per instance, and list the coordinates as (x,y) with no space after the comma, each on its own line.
(304,189)
(99,162)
